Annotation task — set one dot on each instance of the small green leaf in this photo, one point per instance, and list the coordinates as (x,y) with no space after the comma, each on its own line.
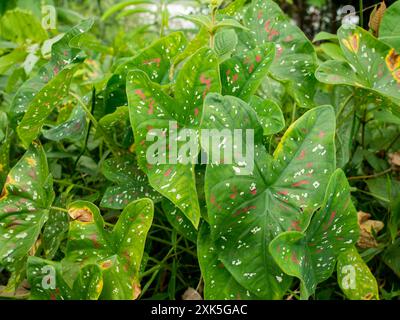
(354,277)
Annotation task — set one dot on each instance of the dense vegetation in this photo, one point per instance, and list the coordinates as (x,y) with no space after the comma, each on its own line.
(84,215)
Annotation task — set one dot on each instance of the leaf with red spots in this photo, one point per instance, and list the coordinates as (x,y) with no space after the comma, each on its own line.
(218,282)
(295,61)
(130,183)
(155,61)
(152,112)
(24,204)
(354,277)
(311,255)
(43,104)
(118,252)
(48,282)
(370,64)
(242,74)
(247,208)
(62,56)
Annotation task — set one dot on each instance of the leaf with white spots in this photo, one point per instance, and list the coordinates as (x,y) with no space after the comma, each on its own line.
(242,74)
(48,283)
(269,115)
(247,208)
(43,104)
(118,252)
(73,129)
(54,232)
(152,112)
(371,65)
(62,56)
(130,183)
(24,204)
(354,277)
(311,255)
(155,61)
(218,282)
(179,221)
(295,61)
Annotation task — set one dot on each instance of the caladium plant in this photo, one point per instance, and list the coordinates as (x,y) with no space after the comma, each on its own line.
(142,158)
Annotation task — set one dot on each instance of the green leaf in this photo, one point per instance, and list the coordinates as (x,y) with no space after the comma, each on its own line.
(11,59)
(242,74)
(225,42)
(24,204)
(218,282)
(4,159)
(311,255)
(119,252)
(389,30)
(48,283)
(354,277)
(179,221)
(269,115)
(151,109)
(201,20)
(62,56)
(371,65)
(54,232)
(19,25)
(295,60)
(392,257)
(247,210)
(120,6)
(43,104)
(155,61)
(322,36)
(72,129)
(130,183)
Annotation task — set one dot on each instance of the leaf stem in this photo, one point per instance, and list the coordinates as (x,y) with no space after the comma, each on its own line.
(58,209)
(371,176)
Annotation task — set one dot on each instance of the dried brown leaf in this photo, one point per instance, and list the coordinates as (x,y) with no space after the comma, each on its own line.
(191,294)
(376,17)
(367,230)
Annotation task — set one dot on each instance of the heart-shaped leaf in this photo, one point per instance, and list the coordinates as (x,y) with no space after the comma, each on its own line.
(24,204)
(371,65)
(242,74)
(153,112)
(354,277)
(295,60)
(311,255)
(131,183)
(154,60)
(277,194)
(47,281)
(119,253)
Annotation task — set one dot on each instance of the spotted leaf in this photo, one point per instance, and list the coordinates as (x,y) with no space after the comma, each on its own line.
(218,282)
(130,183)
(269,115)
(118,252)
(354,277)
(62,56)
(43,104)
(248,207)
(311,255)
(295,59)
(154,60)
(242,74)
(24,204)
(48,283)
(371,65)
(156,116)
(72,129)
